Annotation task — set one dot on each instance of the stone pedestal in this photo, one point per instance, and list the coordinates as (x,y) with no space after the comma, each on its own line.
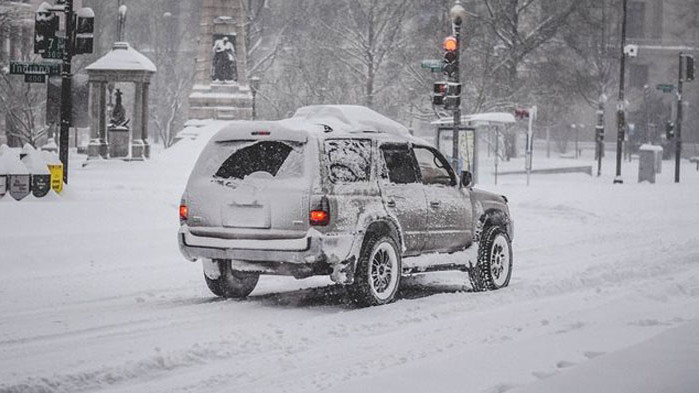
(119,140)
(212,99)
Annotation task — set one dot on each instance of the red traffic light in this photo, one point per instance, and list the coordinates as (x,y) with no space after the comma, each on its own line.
(450,44)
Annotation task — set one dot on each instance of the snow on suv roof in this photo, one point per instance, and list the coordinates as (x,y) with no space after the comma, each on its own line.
(315,120)
(350,118)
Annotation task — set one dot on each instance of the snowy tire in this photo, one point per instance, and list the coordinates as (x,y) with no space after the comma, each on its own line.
(230,283)
(378,271)
(495,258)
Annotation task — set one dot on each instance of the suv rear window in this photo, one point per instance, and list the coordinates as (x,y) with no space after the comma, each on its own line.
(279,159)
(348,160)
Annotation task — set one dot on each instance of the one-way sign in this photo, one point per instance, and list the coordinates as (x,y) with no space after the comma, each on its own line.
(22,68)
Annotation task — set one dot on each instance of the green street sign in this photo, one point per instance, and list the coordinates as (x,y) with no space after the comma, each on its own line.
(433,65)
(23,68)
(55,49)
(665,88)
(35,78)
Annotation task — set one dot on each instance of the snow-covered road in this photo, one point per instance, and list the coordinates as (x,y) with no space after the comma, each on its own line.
(94,296)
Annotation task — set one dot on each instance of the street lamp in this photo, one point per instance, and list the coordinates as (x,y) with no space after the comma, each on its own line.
(620,114)
(599,132)
(254,88)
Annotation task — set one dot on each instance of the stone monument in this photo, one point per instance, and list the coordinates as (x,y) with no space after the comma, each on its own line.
(221,89)
(123,64)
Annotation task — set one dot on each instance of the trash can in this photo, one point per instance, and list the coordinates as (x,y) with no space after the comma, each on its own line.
(648,158)
(40,175)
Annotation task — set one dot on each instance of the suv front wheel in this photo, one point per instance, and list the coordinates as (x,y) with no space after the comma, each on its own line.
(378,271)
(230,283)
(495,258)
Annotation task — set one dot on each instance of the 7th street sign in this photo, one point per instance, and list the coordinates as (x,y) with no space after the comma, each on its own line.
(22,68)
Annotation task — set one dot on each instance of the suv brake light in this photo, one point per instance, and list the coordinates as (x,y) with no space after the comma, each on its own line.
(184,213)
(320,213)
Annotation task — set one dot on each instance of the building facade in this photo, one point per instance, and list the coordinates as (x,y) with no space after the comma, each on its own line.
(662,29)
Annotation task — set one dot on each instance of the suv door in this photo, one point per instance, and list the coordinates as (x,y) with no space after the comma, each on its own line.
(449,213)
(403,195)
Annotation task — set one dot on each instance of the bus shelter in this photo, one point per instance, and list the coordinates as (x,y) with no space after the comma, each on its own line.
(471,128)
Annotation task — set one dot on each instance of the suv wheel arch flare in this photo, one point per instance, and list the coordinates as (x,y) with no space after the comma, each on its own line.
(491,217)
(387,228)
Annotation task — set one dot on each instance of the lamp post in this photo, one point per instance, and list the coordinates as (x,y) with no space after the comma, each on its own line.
(254,88)
(620,114)
(599,134)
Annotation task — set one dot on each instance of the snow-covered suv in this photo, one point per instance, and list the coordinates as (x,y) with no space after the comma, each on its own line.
(339,191)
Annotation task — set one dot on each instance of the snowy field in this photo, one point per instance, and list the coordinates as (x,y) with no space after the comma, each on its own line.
(94,296)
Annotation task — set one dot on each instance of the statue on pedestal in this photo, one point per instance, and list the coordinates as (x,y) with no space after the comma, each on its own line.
(225,67)
(118,115)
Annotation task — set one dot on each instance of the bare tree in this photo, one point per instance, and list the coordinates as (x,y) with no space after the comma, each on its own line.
(22,105)
(364,37)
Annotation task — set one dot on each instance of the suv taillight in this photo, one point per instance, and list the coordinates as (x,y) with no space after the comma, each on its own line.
(184,213)
(320,212)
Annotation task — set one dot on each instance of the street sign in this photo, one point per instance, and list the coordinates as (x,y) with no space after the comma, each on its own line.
(433,65)
(22,68)
(35,78)
(55,49)
(665,88)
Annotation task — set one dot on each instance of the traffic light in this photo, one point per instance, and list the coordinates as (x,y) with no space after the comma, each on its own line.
(451,56)
(599,134)
(689,68)
(669,130)
(84,31)
(453,96)
(45,28)
(438,93)
(521,113)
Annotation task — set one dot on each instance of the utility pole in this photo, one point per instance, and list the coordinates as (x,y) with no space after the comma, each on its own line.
(66,88)
(620,114)
(678,123)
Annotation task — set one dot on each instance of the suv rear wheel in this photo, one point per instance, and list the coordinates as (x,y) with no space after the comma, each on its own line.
(378,271)
(230,283)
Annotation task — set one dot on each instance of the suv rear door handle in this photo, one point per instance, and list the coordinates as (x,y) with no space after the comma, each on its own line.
(435,203)
(391,203)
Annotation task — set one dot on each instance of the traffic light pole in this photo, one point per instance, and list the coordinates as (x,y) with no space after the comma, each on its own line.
(620,115)
(678,124)
(457,108)
(66,87)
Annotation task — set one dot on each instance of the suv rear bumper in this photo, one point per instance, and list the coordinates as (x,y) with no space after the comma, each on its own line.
(313,248)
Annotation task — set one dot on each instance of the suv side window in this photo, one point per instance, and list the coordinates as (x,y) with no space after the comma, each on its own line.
(348,160)
(434,167)
(400,163)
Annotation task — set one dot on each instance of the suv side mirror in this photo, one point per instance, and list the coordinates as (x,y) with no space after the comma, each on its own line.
(466,178)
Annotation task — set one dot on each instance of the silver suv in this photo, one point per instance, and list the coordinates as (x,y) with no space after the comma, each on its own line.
(339,191)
